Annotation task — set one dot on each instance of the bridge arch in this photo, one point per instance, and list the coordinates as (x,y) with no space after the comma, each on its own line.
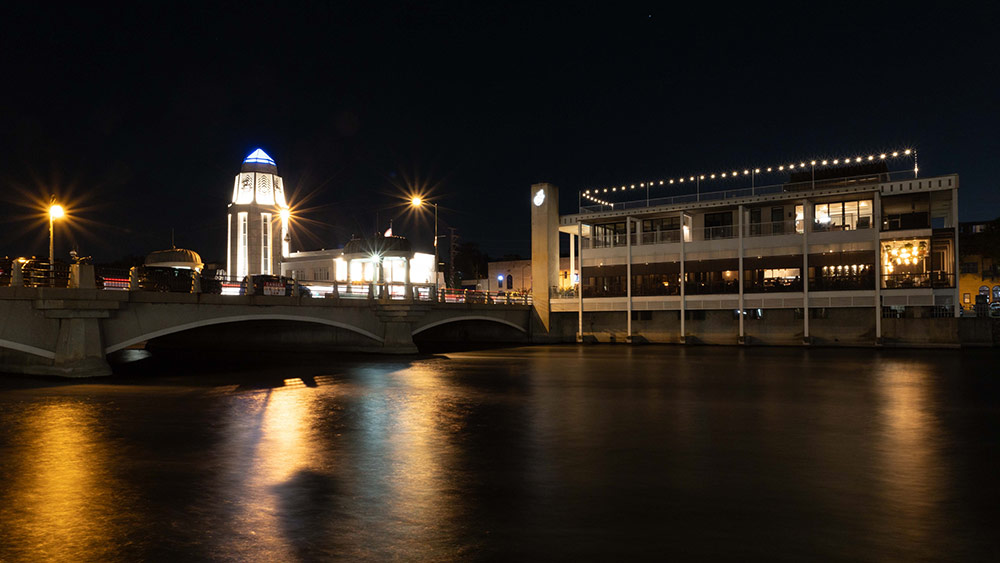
(433,324)
(27,349)
(238,318)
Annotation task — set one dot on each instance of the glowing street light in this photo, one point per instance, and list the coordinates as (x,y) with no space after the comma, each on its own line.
(418,201)
(56,211)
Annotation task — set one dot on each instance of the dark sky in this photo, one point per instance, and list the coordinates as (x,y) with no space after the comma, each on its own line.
(139,117)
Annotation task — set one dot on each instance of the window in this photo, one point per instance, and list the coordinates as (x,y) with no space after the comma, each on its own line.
(996,294)
(718,225)
(966,298)
(510,281)
(265,242)
(241,251)
(642,315)
(970,267)
(841,215)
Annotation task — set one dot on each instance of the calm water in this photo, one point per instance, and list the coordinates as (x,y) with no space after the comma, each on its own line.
(532,453)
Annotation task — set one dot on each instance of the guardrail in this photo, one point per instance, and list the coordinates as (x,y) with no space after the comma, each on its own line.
(180,280)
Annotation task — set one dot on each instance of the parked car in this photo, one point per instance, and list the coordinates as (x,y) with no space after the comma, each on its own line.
(995,309)
(266,284)
(166,279)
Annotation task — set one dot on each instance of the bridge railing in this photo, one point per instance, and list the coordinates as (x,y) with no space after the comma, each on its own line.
(33,272)
(179,280)
(448,295)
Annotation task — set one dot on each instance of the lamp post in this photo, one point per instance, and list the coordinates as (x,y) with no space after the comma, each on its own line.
(417,202)
(56,211)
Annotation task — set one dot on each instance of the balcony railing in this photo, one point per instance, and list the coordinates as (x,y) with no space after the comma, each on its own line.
(770,228)
(776,285)
(922,280)
(718,195)
(842,283)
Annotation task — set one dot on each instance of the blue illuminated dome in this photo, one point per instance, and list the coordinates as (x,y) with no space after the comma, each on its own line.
(259,161)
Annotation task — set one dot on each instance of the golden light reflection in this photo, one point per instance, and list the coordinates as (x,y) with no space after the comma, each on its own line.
(269,442)
(912,480)
(65,499)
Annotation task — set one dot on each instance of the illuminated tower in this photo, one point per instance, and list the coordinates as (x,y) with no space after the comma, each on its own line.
(257,220)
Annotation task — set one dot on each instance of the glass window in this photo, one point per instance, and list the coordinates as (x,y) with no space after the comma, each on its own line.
(996,293)
(864,214)
(799,219)
(822,215)
(837,214)
(851,214)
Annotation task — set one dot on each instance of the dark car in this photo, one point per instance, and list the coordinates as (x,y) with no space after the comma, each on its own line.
(266,284)
(165,279)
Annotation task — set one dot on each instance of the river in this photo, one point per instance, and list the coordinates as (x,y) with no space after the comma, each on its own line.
(562,452)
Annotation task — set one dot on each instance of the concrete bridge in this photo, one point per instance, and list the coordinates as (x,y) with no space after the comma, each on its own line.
(70,332)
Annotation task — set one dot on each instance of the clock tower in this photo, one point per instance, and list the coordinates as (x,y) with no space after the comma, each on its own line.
(257,219)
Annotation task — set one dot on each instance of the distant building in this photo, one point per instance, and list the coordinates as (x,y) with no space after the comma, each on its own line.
(979,264)
(256,219)
(362,261)
(515,275)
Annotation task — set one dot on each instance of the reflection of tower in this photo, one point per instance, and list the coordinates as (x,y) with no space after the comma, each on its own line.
(257,226)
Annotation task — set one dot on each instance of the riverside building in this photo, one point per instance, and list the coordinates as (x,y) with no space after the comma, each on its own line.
(841,251)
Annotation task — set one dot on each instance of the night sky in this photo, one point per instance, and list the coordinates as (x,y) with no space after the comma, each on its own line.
(139,117)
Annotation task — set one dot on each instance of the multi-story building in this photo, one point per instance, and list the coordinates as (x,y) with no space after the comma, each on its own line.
(832,254)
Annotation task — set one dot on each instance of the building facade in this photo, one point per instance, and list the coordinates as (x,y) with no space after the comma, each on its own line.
(832,256)
(979,273)
(256,219)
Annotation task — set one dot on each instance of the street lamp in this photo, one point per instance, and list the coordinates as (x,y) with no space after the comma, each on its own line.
(56,211)
(418,201)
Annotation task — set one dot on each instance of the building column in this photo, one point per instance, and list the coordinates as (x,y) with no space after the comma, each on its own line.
(957,309)
(742,339)
(877,228)
(407,287)
(683,302)
(333,278)
(579,286)
(807,221)
(572,258)
(628,278)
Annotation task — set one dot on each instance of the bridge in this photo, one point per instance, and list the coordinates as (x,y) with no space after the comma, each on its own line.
(70,331)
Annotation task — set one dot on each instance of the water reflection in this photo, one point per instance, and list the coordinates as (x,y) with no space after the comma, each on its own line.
(911,473)
(271,469)
(63,499)
(613,453)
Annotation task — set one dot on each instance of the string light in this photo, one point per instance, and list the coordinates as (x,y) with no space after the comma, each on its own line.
(748,171)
